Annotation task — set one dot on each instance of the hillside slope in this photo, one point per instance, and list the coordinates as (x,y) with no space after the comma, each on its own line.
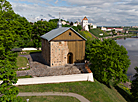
(86,34)
(98,31)
(93,91)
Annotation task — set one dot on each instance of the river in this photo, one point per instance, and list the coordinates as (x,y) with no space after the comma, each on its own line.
(131,45)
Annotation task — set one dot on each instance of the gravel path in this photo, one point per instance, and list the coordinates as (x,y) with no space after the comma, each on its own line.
(79,97)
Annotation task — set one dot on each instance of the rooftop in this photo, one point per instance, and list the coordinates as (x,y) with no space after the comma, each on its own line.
(56,32)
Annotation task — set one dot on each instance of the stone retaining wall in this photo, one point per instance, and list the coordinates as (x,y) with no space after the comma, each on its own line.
(50,71)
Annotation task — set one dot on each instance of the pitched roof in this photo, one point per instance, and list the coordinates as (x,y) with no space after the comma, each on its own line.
(56,32)
(85,18)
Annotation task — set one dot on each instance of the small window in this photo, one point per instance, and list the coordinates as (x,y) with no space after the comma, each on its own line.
(69,33)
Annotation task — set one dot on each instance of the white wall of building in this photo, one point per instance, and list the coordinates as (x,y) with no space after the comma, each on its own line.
(75,24)
(94,26)
(56,79)
(85,25)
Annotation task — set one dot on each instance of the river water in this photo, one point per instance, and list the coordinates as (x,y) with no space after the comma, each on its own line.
(131,45)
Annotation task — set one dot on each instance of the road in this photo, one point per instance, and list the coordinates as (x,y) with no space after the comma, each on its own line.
(79,97)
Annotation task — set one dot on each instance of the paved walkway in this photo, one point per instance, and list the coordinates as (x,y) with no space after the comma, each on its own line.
(79,97)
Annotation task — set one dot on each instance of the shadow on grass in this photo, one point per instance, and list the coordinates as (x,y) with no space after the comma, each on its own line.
(127,96)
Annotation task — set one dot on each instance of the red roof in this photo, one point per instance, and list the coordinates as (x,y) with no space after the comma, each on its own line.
(85,18)
(114,28)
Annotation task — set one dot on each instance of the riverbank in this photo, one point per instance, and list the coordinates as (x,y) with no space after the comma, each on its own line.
(115,37)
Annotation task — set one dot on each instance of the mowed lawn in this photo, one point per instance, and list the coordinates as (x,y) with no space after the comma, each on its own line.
(50,99)
(93,91)
(21,61)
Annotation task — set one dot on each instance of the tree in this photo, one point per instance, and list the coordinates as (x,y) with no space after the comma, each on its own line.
(113,32)
(40,28)
(108,60)
(71,23)
(8,92)
(79,27)
(134,86)
(75,28)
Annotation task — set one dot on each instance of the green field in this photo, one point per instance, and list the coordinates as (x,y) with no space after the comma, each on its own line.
(86,34)
(21,61)
(98,31)
(50,99)
(93,91)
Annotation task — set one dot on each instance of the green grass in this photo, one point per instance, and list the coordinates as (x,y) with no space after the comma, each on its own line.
(98,31)
(27,76)
(21,61)
(86,34)
(93,91)
(50,99)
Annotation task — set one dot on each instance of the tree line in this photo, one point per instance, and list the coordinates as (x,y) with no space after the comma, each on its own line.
(109,61)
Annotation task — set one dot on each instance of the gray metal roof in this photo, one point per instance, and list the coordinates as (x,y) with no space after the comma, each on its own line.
(56,32)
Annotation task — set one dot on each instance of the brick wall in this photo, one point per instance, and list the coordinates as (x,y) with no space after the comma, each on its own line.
(58,53)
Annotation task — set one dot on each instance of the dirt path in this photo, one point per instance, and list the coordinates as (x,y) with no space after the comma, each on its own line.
(79,97)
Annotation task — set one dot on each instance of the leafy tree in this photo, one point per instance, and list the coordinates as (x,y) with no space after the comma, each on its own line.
(79,27)
(108,60)
(134,86)
(75,28)
(66,25)
(113,32)
(8,92)
(40,28)
(55,20)
(71,23)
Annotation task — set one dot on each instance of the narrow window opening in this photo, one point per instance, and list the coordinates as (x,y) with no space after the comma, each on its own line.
(69,33)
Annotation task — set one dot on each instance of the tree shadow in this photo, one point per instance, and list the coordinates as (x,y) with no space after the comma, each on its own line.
(37,57)
(127,96)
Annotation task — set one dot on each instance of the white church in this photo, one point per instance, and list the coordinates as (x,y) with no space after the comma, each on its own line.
(84,24)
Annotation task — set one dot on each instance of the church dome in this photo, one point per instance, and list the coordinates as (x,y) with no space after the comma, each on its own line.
(59,24)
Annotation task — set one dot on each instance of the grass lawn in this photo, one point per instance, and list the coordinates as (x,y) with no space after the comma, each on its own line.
(93,91)
(50,99)
(27,76)
(21,61)
(98,31)
(86,34)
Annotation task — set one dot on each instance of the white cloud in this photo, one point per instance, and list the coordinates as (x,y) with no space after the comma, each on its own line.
(99,12)
(56,1)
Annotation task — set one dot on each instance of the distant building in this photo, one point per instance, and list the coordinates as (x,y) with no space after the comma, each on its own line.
(84,24)
(63,22)
(116,29)
(110,29)
(75,24)
(103,28)
(94,26)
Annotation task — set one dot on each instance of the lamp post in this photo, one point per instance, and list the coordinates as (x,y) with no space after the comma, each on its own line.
(27,100)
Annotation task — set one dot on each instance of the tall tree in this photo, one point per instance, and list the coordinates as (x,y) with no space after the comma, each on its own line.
(40,28)
(108,60)
(134,86)
(8,92)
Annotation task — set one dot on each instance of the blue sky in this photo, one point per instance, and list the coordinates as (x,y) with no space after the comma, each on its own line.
(98,12)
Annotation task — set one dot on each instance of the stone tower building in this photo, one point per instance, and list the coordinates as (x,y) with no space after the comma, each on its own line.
(84,24)
(63,45)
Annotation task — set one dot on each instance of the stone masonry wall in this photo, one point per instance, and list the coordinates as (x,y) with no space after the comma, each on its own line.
(58,53)
(43,70)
